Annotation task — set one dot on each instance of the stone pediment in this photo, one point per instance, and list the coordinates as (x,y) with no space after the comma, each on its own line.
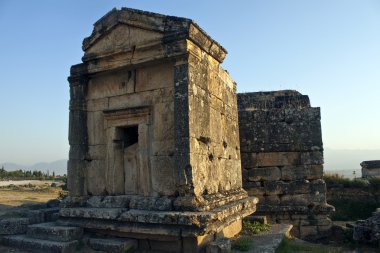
(127,30)
(121,38)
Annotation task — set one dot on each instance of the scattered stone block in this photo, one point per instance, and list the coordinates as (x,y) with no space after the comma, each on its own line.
(368,230)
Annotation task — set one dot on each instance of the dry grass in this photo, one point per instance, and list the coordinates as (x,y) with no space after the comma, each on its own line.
(15,196)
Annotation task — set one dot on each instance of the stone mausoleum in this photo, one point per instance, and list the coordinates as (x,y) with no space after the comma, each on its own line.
(154,137)
(370,168)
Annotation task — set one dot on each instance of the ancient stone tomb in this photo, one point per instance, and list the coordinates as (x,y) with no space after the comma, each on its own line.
(282,159)
(370,168)
(154,139)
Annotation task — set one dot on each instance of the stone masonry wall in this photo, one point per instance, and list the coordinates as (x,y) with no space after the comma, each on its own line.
(148,86)
(214,134)
(282,159)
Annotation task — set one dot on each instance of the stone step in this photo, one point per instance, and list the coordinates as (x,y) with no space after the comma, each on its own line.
(114,245)
(53,232)
(268,241)
(13,226)
(38,245)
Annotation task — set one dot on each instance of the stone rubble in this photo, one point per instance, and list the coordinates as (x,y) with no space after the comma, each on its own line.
(368,231)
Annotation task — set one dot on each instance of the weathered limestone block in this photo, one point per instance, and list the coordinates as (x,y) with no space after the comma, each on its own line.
(300,172)
(37,245)
(272,200)
(113,245)
(50,231)
(276,159)
(303,199)
(13,226)
(166,246)
(95,177)
(92,213)
(36,216)
(264,173)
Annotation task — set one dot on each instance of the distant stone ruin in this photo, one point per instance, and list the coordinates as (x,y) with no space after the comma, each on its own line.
(282,159)
(154,139)
(370,168)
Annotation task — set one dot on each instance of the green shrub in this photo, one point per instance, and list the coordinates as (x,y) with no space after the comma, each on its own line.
(374,183)
(255,227)
(339,181)
(353,209)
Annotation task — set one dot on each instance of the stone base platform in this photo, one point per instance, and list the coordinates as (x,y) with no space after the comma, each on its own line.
(161,231)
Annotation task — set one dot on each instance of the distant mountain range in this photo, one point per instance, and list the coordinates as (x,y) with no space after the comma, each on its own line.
(59,167)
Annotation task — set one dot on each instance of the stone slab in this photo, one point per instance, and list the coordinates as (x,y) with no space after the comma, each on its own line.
(92,213)
(50,231)
(38,246)
(113,245)
(13,226)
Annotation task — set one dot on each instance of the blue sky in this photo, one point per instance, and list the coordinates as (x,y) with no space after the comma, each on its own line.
(329,50)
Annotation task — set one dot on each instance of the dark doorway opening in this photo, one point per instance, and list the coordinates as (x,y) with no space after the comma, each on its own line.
(130,135)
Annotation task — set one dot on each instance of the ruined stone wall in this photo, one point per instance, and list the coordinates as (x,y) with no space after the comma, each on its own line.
(282,159)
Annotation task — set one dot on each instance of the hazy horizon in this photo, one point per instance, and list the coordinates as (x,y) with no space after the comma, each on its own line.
(343,162)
